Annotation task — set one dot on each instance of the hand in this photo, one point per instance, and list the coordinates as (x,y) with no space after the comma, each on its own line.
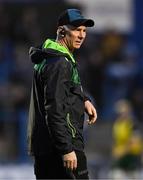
(91,111)
(70,160)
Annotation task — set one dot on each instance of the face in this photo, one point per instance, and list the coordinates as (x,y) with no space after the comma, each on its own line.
(75,36)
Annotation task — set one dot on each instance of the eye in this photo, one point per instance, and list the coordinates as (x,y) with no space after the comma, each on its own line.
(78,30)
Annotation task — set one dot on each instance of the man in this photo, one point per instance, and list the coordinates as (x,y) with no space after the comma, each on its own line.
(56,116)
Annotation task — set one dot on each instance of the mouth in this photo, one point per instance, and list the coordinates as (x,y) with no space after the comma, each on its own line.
(78,42)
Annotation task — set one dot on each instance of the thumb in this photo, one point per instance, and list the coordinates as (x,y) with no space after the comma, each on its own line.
(90,113)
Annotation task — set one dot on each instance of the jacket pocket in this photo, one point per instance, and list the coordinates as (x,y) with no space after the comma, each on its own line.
(77,90)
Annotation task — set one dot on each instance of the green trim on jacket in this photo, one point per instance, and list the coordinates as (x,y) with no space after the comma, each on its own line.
(50,44)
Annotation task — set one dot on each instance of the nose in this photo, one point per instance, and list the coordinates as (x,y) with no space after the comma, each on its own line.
(82,35)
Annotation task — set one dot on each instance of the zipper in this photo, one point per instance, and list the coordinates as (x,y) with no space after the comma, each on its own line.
(71,127)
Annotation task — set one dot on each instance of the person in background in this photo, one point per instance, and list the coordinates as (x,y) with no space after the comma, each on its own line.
(127,143)
(58,103)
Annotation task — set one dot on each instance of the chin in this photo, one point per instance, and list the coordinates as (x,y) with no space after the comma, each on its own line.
(77,47)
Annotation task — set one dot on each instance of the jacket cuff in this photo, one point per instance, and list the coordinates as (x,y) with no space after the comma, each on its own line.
(66,151)
(86,98)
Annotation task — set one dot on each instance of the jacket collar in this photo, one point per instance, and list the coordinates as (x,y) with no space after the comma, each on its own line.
(51,44)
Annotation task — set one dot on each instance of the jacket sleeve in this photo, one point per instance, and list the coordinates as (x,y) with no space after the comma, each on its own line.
(56,77)
(86,98)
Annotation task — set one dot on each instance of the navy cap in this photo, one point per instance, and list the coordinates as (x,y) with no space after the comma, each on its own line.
(75,18)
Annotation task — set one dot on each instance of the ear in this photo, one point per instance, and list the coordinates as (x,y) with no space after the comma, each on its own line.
(61,31)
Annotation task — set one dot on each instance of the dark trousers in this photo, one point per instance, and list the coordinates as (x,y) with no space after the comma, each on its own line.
(51,167)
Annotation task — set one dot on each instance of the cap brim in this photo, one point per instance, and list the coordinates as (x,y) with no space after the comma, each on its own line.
(85,22)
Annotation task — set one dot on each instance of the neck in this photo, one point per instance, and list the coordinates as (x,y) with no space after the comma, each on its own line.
(64,43)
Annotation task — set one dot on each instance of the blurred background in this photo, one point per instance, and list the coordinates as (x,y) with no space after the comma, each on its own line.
(111,68)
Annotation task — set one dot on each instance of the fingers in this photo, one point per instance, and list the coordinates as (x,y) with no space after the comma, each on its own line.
(75,164)
(70,160)
(92,117)
(91,111)
(65,164)
(94,114)
(89,121)
(72,165)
